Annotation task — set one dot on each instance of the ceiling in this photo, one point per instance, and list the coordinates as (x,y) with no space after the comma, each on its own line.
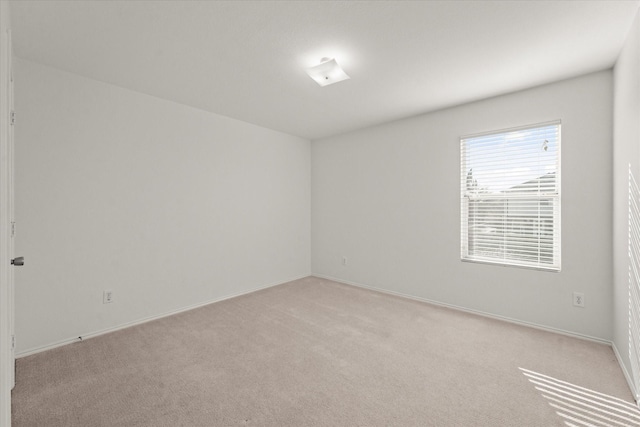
(246,59)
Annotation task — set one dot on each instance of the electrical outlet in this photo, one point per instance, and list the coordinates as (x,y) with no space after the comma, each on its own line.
(578,299)
(344,260)
(107,296)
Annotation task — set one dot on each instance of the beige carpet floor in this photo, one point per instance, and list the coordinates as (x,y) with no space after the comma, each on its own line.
(319,353)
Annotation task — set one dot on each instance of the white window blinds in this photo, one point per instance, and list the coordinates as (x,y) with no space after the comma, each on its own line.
(510,197)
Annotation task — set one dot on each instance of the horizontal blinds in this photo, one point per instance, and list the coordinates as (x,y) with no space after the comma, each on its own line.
(510,197)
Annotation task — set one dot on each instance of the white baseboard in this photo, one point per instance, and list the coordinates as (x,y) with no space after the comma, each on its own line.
(468,310)
(627,376)
(60,343)
(360,285)
(625,372)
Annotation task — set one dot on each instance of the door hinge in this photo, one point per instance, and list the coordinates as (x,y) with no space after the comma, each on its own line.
(12,118)
(13,342)
(13,228)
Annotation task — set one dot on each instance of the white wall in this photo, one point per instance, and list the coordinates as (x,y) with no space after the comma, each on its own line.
(166,205)
(626,152)
(388,198)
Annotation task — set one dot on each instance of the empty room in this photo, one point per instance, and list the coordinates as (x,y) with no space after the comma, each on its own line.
(319,213)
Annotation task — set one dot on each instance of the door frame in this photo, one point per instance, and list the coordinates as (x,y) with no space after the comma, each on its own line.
(6,306)
(11,217)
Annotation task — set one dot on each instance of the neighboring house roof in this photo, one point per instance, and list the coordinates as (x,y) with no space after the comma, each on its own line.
(546,181)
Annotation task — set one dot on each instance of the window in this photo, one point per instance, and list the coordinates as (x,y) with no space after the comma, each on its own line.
(510,197)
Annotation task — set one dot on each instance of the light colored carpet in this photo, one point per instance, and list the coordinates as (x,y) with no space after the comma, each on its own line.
(319,353)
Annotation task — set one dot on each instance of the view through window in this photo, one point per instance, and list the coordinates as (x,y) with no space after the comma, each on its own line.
(510,197)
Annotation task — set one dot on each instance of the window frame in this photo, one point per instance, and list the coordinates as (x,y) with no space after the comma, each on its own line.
(555,199)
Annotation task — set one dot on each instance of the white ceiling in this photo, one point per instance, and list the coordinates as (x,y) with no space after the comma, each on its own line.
(246,59)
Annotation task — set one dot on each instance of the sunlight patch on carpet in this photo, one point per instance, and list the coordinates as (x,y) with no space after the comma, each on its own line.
(580,406)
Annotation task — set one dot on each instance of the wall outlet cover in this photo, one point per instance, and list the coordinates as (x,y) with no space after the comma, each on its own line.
(107,296)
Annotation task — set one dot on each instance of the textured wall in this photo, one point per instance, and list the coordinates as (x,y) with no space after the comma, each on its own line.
(166,205)
(388,198)
(626,155)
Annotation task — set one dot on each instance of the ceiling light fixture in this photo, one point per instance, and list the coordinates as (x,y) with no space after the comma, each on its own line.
(327,72)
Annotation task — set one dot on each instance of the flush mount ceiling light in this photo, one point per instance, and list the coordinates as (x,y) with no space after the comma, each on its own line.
(327,72)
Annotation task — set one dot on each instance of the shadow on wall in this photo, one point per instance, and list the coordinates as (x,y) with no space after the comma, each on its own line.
(634,281)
